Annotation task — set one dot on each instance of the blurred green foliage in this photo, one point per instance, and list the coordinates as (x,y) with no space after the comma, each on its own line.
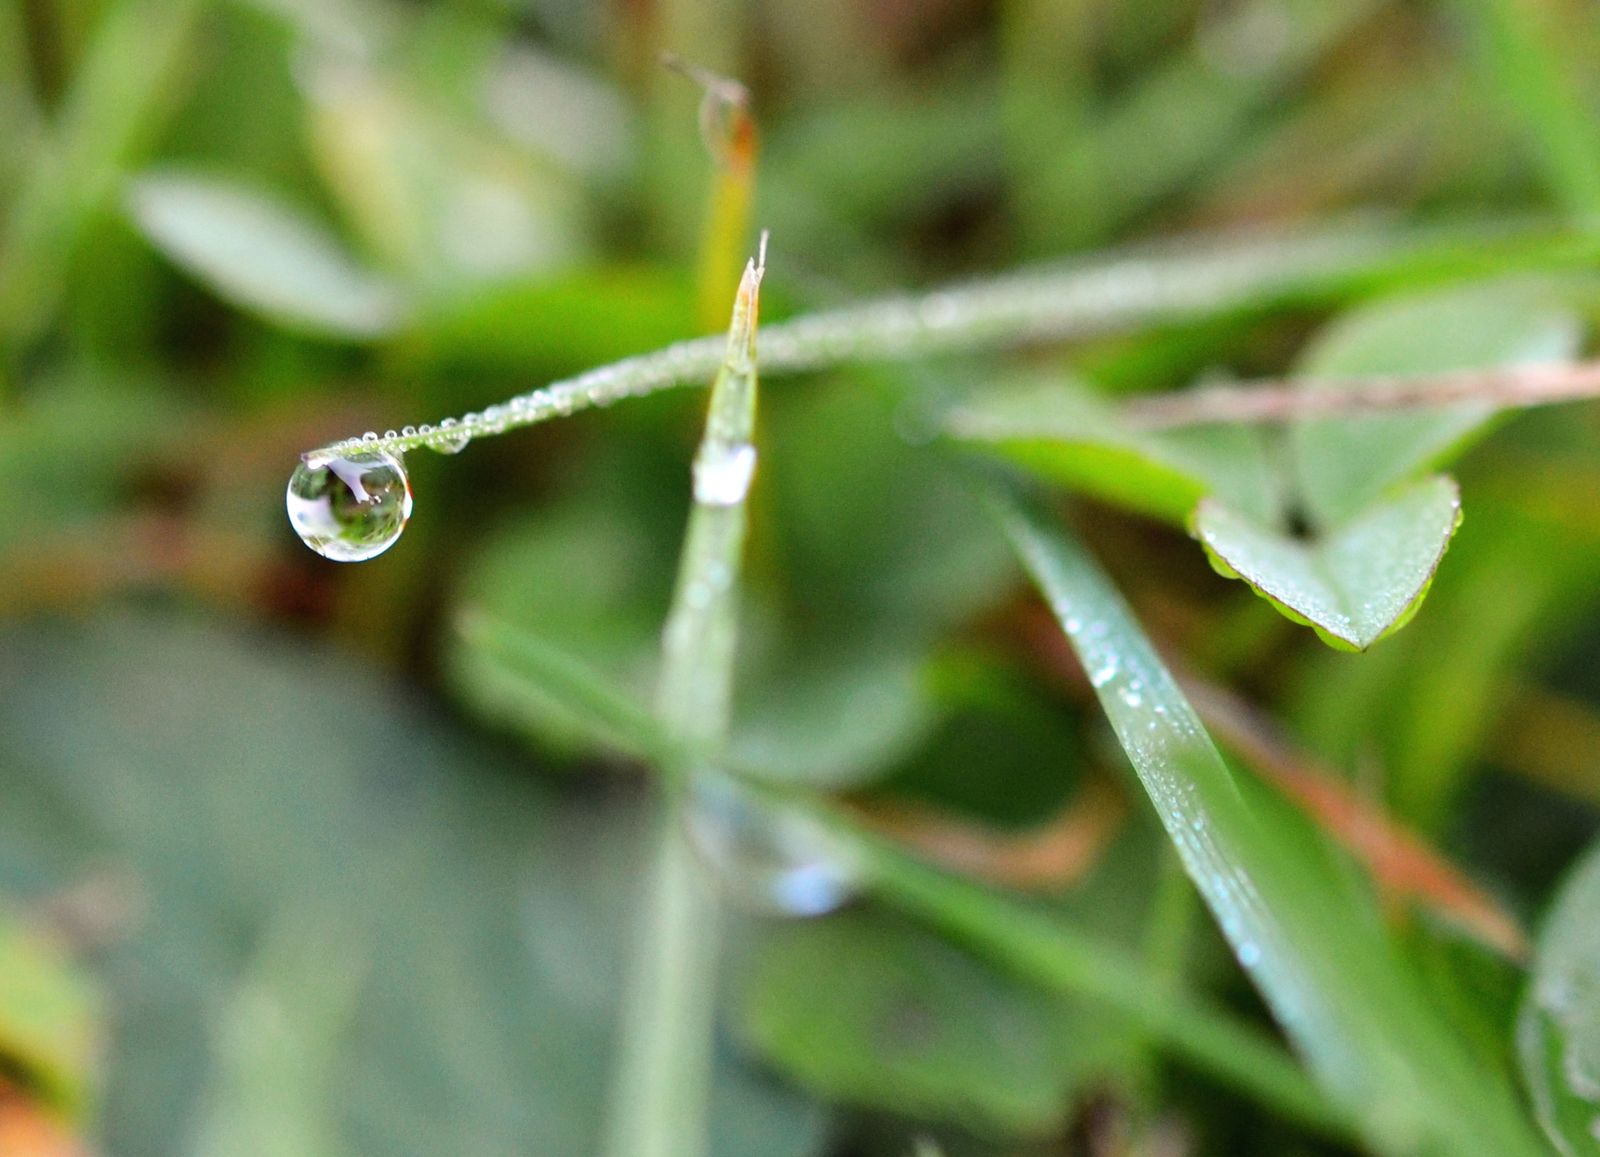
(313,860)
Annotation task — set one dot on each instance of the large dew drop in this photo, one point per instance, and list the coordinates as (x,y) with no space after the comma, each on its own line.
(767,860)
(350,508)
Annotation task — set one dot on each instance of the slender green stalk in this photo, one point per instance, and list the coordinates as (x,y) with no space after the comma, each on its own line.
(664,1077)
(1106,295)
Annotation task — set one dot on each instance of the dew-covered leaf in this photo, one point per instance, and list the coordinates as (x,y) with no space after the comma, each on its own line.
(1558,1031)
(1354,583)
(263,255)
(1343,464)
(1308,934)
(1064,433)
(280,810)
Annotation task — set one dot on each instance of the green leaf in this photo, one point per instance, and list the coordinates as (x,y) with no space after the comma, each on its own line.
(1064,433)
(1343,464)
(1558,1032)
(1311,939)
(263,255)
(1355,583)
(276,805)
(870,1009)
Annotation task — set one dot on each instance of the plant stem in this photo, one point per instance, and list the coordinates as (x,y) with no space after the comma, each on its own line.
(664,1078)
(1082,300)
(1290,400)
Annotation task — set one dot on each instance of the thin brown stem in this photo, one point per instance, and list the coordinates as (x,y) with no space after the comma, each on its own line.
(1287,400)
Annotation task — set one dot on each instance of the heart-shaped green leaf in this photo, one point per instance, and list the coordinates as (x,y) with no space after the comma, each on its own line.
(1357,582)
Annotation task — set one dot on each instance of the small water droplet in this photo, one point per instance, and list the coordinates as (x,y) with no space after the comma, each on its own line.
(767,860)
(350,508)
(370,436)
(1073,625)
(1249,954)
(1104,673)
(451,440)
(723,479)
(409,432)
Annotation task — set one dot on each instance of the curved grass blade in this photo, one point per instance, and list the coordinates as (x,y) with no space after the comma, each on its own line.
(1307,934)
(659,1105)
(1024,938)
(1558,1030)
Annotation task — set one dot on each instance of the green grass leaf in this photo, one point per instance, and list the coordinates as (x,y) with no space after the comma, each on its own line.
(1354,583)
(1558,1030)
(263,255)
(1308,935)
(659,1105)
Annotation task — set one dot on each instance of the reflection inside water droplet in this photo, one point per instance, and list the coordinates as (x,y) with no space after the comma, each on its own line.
(350,508)
(766,860)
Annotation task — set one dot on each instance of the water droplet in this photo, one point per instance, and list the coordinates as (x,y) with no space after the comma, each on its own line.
(451,440)
(1249,954)
(350,508)
(767,860)
(1104,673)
(723,479)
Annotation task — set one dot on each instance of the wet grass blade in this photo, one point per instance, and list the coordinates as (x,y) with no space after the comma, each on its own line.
(664,1076)
(1024,938)
(1299,922)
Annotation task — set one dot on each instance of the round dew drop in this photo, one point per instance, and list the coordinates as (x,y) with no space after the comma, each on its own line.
(350,508)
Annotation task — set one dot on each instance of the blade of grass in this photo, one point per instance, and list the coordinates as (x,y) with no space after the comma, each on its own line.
(663,1078)
(1537,88)
(128,72)
(1310,940)
(1025,938)
(1108,294)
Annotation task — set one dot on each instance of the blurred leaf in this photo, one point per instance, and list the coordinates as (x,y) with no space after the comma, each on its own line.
(1311,940)
(124,83)
(866,1008)
(577,318)
(1066,434)
(1355,583)
(437,200)
(1343,464)
(262,255)
(279,806)
(49,1030)
(1558,1033)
